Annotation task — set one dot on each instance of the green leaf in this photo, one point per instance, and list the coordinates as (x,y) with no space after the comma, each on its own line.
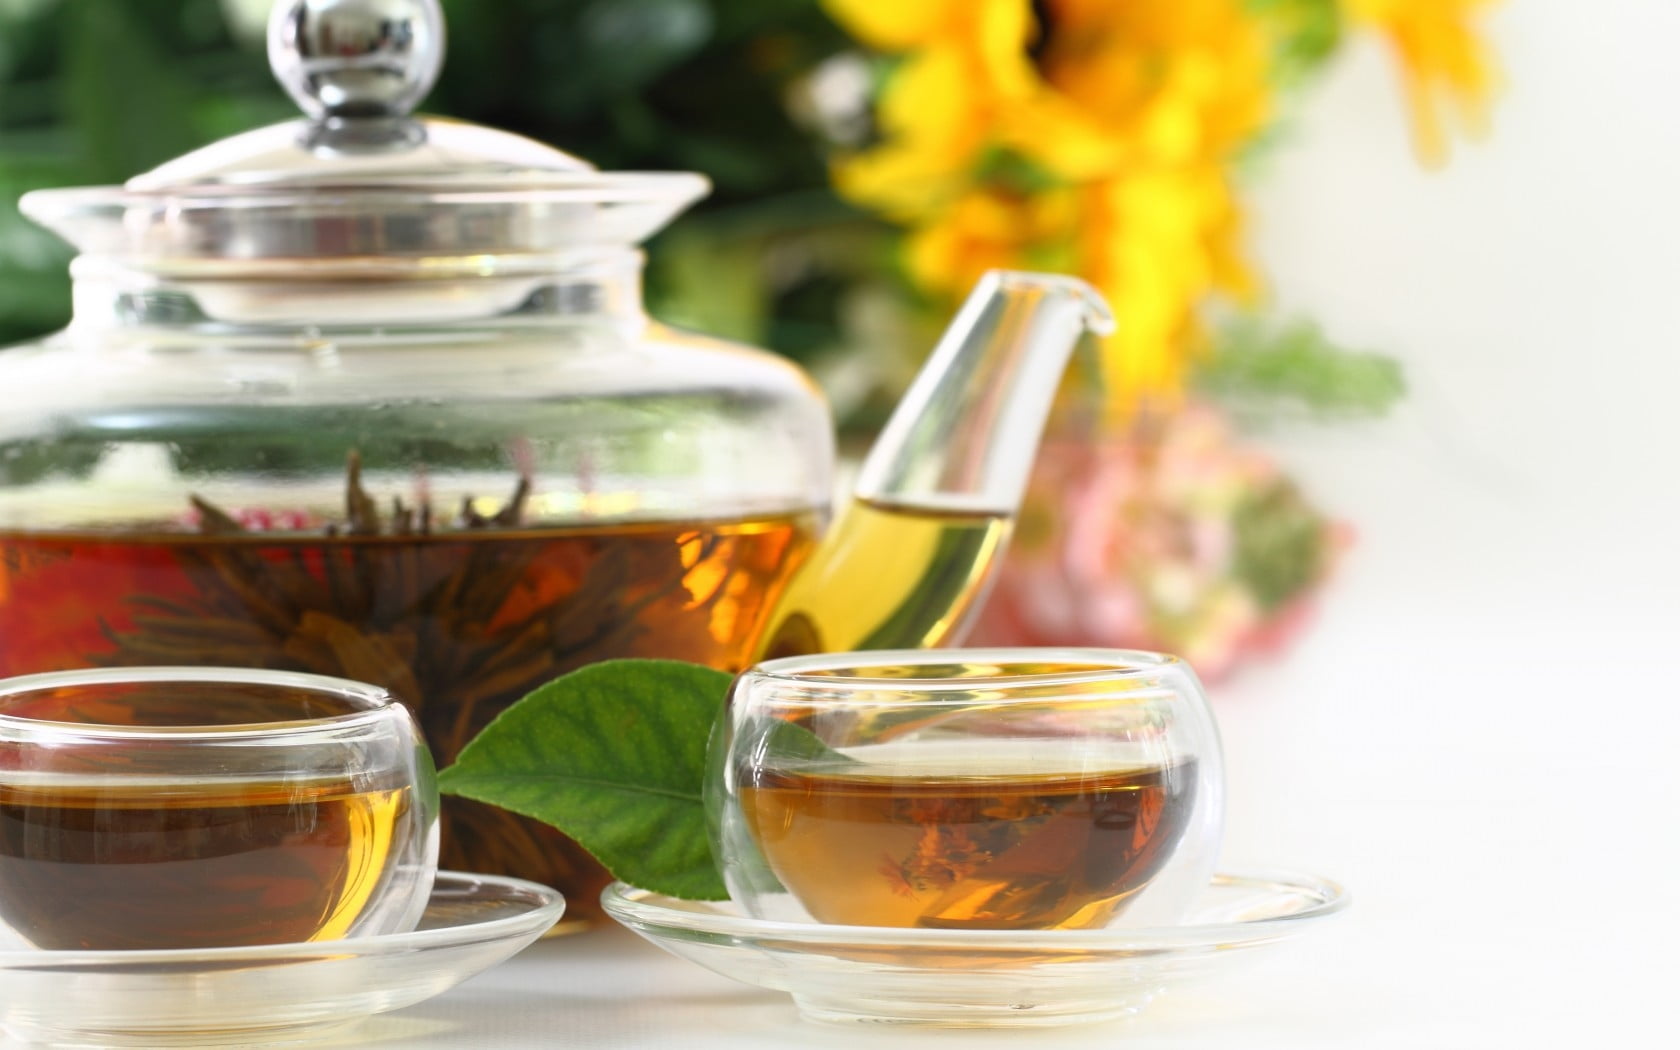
(1260,370)
(613,755)
(794,745)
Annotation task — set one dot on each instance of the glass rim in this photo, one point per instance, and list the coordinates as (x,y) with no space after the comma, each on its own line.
(1324,897)
(1104,665)
(438,189)
(377,701)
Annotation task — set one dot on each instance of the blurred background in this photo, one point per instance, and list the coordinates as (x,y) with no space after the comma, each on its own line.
(1383,444)
(869,162)
(1391,273)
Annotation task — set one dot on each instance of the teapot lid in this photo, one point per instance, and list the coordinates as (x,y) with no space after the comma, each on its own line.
(361,176)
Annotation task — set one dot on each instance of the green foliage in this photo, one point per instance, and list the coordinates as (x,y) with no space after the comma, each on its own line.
(658,84)
(1261,369)
(692,85)
(1282,545)
(1010,170)
(34,286)
(95,91)
(614,755)
(122,95)
(1305,33)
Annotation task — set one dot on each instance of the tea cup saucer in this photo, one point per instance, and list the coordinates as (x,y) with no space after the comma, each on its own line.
(272,993)
(980,978)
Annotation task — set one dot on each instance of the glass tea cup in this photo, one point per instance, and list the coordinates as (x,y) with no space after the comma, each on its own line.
(967,789)
(182,807)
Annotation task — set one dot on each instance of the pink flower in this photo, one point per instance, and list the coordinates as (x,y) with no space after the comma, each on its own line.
(1173,537)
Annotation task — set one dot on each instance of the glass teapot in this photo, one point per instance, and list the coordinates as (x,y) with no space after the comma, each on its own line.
(373,395)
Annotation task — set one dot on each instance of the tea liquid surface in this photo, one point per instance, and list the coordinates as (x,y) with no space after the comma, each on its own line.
(108,865)
(1024,846)
(457,625)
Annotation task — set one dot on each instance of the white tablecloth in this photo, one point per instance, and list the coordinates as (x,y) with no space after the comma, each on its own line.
(1507,826)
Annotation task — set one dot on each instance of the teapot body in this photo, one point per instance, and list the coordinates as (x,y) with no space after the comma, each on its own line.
(454,492)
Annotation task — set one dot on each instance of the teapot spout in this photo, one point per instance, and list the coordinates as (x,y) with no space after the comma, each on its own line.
(965,435)
(909,560)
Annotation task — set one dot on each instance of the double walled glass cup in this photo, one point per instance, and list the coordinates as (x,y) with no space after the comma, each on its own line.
(967,789)
(180,807)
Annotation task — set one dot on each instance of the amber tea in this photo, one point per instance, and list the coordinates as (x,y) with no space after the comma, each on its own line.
(118,865)
(202,807)
(887,578)
(1021,846)
(457,624)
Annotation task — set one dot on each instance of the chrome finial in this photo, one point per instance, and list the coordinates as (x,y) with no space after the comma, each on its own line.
(351,59)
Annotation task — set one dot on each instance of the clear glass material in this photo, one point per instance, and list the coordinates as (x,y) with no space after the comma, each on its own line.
(277,994)
(963,438)
(373,395)
(196,808)
(249,387)
(967,790)
(454,483)
(911,556)
(983,978)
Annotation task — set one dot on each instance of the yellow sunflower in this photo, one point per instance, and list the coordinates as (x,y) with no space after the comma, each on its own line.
(1443,63)
(966,66)
(1116,121)
(1100,137)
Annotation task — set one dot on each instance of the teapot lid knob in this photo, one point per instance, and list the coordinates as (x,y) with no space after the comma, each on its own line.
(356,58)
